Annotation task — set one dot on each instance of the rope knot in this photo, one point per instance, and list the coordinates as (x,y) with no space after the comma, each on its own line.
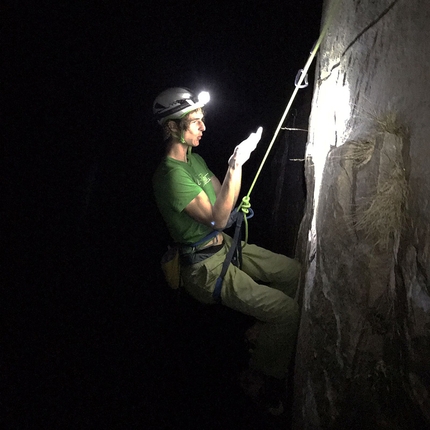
(245,205)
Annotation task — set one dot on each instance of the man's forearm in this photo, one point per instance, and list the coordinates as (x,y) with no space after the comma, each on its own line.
(227,196)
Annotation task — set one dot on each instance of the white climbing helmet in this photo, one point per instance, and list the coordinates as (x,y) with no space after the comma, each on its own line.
(174,103)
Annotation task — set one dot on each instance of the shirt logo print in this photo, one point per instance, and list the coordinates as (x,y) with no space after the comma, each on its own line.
(202,179)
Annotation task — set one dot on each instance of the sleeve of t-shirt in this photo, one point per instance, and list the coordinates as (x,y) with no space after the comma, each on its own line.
(183,190)
(180,188)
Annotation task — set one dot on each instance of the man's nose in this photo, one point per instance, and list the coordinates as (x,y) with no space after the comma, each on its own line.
(202,126)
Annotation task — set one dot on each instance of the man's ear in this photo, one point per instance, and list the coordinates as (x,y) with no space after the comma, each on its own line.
(173,127)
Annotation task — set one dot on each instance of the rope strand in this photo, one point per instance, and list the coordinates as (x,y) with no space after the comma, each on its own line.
(245,204)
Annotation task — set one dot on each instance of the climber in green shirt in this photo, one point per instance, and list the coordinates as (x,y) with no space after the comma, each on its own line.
(196,206)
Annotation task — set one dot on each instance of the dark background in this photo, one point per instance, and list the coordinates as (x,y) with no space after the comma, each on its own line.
(92,336)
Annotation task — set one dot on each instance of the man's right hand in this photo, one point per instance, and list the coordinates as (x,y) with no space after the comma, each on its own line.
(242,152)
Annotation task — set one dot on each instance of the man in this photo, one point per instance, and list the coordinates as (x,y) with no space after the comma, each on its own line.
(196,207)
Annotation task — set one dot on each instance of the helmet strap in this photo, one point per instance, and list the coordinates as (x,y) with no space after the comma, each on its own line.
(182,139)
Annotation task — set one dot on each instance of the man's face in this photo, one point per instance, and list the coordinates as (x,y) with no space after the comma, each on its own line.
(195,129)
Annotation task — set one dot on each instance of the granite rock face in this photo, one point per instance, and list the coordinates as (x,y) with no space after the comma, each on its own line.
(363,354)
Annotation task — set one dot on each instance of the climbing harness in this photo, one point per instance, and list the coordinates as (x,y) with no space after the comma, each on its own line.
(234,248)
(172,259)
(234,254)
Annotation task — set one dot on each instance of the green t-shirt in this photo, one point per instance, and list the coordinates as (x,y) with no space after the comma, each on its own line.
(176,184)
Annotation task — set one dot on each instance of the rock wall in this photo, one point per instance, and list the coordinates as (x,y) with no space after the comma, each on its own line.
(364,343)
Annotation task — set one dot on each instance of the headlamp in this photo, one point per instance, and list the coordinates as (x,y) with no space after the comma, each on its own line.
(204,97)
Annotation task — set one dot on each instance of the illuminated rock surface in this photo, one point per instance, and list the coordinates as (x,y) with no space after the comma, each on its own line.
(364,340)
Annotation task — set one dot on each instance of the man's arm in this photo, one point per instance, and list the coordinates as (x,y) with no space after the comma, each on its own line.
(216,184)
(217,215)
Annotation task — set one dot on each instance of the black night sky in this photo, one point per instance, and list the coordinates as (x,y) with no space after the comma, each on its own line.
(92,338)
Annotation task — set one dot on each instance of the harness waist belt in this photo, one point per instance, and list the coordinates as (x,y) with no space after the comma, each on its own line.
(198,256)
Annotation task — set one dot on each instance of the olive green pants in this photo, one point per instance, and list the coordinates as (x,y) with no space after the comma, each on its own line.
(264,288)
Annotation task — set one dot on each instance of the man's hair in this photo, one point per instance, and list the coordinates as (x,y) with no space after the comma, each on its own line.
(182,124)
